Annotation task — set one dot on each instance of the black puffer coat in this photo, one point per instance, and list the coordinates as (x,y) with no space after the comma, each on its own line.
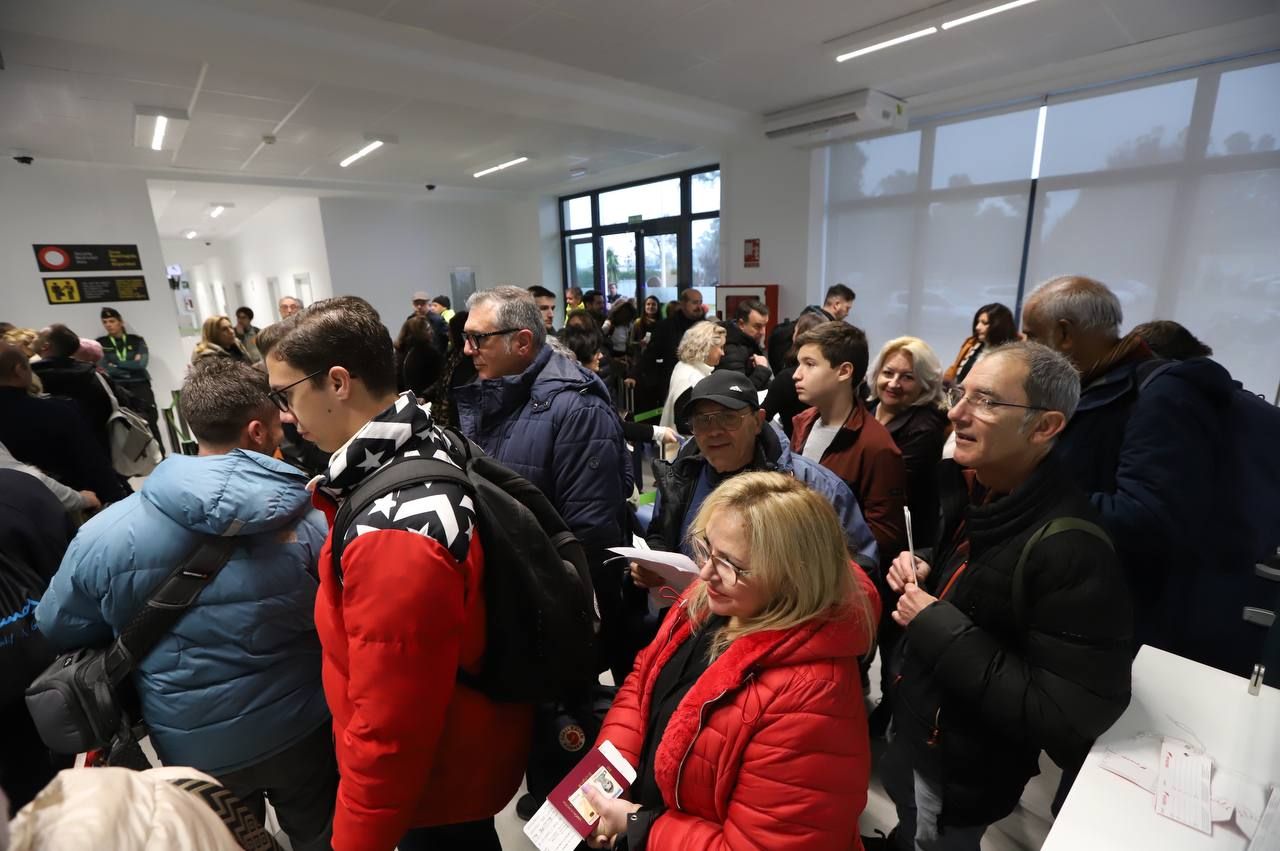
(738,350)
(978,698)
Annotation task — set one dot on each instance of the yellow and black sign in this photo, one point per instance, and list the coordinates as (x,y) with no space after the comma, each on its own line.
(87,258)
(88,290)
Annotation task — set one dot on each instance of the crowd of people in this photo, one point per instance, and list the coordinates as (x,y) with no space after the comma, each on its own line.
(1004,532)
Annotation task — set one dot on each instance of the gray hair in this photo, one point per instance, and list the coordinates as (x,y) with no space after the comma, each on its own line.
(1087,304)
(924,364)
(699,340)
(1052,383)
(514,308)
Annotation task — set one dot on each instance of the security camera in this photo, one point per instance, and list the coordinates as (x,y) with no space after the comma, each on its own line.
(23,157)
(208,243)
(431,187)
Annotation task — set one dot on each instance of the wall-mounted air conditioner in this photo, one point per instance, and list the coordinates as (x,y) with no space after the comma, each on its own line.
(836,119)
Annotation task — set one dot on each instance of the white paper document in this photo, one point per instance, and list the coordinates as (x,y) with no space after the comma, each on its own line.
(676,569)
(1136,760)
(1183,785)
(1267,835)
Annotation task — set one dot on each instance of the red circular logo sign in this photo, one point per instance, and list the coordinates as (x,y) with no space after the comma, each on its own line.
(53,257)
(572,738)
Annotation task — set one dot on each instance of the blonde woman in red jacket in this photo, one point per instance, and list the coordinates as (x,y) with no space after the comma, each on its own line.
(745,717)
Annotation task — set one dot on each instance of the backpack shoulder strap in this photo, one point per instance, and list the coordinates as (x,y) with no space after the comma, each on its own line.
(166,605)
(397,475)
(1048,530)
(1151,370)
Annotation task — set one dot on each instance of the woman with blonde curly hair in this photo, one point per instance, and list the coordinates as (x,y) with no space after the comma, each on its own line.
(747,708)
(701,348)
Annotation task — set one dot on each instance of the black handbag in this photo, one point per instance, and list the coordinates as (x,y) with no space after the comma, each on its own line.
(81,701)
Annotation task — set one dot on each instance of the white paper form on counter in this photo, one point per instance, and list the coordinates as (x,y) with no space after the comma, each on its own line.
(1183,786)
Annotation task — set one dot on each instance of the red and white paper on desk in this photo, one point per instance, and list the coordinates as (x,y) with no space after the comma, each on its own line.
(1183,785)
(566,818)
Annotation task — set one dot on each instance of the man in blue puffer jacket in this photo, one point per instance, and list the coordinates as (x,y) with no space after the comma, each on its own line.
(551,421)
(234,690)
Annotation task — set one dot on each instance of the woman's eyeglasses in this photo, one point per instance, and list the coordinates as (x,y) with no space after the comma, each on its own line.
(729,572)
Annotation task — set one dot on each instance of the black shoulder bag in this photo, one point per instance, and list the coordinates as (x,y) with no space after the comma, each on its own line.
(77,702)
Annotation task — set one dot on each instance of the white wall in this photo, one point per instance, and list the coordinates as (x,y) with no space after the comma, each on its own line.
(83,204)
(386,250)
(765,195)
(283,239)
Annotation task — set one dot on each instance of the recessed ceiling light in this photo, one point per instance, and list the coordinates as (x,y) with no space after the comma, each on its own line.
(190,234)
(508,164)
(218,210)
(158,128)
(157,136)
(994,10)
(575,173)
(365,151)
(862,51)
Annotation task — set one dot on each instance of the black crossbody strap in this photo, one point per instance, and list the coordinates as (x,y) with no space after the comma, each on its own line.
(167,603)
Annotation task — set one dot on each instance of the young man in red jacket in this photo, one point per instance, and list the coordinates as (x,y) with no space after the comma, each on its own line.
(425,761)
(842,436)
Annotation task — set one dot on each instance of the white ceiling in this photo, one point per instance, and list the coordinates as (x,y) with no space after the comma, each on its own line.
(180,206)
(609,85)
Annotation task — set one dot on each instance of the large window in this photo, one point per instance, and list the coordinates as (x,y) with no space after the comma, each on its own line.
(651,238)
(1167,190)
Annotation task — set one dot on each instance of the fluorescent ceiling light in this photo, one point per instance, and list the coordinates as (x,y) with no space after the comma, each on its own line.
(217,211)
(862,51)
(365,151)
(190,234)
(159,128)
(157,136)
(1035,159)
(986,13)
(509,164)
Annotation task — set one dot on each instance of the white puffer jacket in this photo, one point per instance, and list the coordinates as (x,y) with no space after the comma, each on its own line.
(122,810)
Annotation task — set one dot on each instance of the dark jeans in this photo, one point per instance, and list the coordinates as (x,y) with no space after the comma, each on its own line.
(26,765)
(302,785)
(465,836)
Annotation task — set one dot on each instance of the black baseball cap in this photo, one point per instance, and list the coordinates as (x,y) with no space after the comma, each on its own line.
(725,387)
(110,313)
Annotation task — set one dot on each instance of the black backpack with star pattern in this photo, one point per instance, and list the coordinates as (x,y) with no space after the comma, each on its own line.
(540,613)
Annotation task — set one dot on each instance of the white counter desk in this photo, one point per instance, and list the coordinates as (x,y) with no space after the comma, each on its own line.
(1173,697)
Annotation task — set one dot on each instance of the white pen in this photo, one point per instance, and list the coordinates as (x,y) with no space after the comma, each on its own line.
(911,545)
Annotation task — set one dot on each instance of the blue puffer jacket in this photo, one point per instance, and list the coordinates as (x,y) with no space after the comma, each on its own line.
(238,678)
(554,425)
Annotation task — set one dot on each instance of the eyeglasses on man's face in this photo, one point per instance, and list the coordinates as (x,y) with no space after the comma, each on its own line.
(475,339)
(983,405)
(718,421)
(729,572)
(281,396)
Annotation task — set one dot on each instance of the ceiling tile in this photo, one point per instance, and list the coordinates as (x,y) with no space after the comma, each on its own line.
(240,106)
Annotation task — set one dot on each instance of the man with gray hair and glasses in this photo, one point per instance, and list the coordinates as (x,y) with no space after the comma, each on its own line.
(1017,619)
(551,421)
(1150,454)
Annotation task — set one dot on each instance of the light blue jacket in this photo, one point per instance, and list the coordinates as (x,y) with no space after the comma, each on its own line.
(238,678)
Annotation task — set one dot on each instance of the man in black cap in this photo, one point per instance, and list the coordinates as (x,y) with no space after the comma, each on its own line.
(730,436)
(125,358)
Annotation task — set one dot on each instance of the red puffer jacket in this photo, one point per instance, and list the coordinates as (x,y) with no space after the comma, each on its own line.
(769,749)
(414,748)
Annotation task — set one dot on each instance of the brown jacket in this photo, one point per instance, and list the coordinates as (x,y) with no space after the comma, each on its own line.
(864,454)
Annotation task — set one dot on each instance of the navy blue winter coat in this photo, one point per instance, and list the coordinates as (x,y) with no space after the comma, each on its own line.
(238,678)
(1153,465)
(553,424)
